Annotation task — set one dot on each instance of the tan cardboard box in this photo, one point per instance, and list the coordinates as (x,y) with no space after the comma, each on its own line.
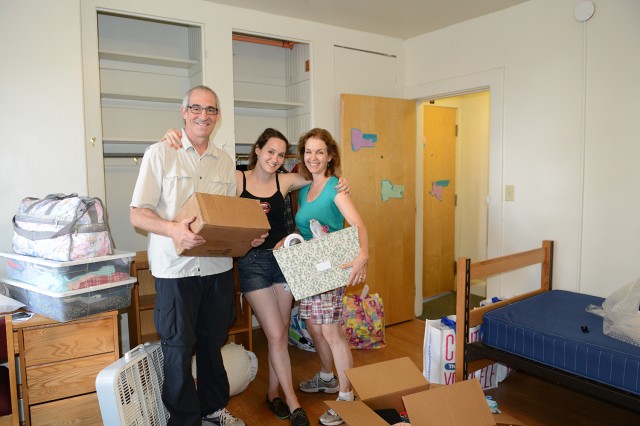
(229,224)
(400,385)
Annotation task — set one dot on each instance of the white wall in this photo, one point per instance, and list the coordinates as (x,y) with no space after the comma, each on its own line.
(41,111)
(611,232)
(569,152)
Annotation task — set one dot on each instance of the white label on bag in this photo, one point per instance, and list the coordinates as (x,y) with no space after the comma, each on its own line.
(323,266)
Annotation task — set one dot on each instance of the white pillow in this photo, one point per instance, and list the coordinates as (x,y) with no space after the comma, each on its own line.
(241,366)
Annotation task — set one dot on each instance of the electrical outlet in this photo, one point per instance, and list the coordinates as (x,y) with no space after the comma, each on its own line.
(509,193)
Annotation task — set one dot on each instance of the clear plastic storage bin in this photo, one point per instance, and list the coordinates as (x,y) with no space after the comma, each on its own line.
(67,276)
(71,305)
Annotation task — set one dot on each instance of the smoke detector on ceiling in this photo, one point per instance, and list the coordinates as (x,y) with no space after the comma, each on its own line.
(584,11)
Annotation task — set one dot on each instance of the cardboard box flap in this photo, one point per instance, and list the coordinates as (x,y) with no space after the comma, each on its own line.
(504,419)
(227,211)
(238,213)
(400,377)
(356,413)
(458,404)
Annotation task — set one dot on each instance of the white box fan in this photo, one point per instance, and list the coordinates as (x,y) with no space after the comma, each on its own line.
(130,389)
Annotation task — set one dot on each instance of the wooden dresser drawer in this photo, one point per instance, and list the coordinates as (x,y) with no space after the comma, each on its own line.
(67,341)
(82,410)
(67,378)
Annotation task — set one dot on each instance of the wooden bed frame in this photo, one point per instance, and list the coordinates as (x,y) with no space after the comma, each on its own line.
(473,356)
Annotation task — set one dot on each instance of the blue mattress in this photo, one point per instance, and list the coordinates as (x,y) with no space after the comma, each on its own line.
(548,329)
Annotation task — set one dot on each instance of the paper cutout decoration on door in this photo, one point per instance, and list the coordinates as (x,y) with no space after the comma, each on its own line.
(362,140)
(437,187)
(391,191)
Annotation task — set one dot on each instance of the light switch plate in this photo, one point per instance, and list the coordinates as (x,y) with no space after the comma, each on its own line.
(509,192)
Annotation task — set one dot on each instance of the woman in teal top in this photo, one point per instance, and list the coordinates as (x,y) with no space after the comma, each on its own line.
(322,209)
(320,160)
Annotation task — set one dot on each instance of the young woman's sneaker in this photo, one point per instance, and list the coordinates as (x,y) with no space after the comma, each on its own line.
(223,417)
(316,384)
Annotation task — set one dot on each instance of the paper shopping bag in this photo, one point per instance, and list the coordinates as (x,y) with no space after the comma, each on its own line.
(439,354)
(363,320)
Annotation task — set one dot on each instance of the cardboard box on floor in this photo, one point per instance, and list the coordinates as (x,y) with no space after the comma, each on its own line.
(400,385)
(229,224)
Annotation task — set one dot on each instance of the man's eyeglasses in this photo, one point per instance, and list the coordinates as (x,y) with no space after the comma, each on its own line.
(197,109)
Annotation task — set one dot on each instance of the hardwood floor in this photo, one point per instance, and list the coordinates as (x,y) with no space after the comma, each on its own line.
(531,400)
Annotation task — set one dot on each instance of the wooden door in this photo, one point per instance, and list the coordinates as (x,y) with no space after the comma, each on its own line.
(378,138)
(439,200)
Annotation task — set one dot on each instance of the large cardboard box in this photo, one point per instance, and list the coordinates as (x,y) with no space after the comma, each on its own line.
(313,266)
(398,384)
(229,224)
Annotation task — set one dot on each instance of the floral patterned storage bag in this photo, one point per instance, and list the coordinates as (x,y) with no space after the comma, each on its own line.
(363,320)
(61,227)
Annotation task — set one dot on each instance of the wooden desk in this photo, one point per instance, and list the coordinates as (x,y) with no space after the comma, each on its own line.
(58,363)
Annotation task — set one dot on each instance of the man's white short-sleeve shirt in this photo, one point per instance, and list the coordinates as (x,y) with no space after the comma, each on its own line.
(166,179)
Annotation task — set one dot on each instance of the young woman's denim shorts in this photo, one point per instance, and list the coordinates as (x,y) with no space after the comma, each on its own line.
(259,269)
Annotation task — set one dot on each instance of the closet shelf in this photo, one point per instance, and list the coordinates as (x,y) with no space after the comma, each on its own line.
(262,104)
(166,61)
(143,98)
(126,141)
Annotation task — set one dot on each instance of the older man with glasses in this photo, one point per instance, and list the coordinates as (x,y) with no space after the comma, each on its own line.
(195,302)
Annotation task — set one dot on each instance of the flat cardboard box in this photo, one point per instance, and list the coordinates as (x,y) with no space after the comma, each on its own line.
(400,385)
(228,224)
(313,266)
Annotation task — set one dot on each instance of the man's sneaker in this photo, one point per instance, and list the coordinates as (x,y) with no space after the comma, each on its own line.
(223,417)
(318,385)
(299,418)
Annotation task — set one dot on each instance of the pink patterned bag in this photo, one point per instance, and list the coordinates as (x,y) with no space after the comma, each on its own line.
(363,320)
(61,227)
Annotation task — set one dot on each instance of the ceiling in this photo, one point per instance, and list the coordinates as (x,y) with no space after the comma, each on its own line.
(396,18)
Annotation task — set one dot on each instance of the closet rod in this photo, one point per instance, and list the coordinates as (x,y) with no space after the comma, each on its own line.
(122,155)
(265,41)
